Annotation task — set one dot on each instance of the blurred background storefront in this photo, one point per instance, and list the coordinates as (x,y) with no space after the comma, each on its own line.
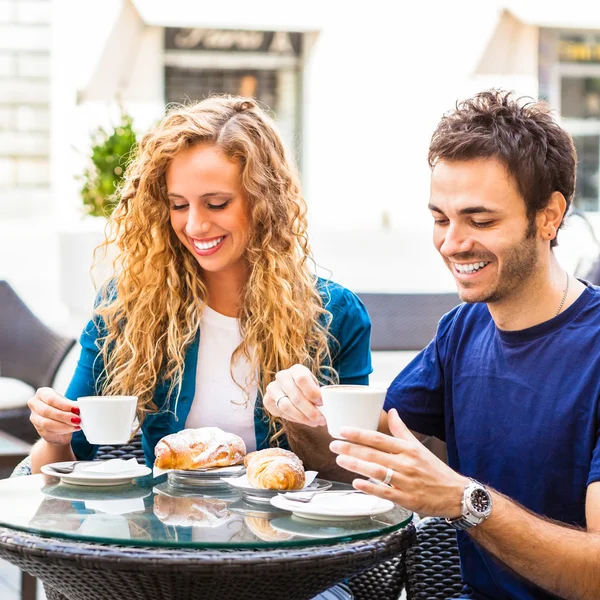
(357,90)
(569,68)
(266,65)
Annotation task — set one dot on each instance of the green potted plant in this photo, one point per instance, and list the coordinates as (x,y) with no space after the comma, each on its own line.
(110,152)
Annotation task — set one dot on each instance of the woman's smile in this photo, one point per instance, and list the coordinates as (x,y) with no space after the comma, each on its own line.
(207,247)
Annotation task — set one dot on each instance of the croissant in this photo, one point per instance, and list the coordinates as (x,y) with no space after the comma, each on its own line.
(190,511)
(262,528)
(199,449)
(274,469)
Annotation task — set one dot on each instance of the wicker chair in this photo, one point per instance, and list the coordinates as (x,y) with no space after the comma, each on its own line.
(131,450)
(405,321)
(383,582)
(432,563)
(30,352)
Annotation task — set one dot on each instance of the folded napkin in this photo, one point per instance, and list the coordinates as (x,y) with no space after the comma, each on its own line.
(114,466)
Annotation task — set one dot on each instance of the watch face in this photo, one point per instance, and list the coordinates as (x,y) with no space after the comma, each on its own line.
(480,501)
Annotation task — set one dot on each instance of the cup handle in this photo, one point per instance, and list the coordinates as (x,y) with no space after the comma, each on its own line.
(81,424)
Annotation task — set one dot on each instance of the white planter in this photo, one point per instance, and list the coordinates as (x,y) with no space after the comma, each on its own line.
(76,245)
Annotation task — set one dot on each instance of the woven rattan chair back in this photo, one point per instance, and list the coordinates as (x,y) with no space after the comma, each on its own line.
(383,582)
(432,563)
(29,350)
(405,321)
(131,450)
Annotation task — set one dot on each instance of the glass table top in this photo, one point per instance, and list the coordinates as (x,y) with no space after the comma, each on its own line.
(152,512)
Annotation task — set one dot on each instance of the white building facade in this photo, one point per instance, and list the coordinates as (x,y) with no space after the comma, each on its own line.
(357,90)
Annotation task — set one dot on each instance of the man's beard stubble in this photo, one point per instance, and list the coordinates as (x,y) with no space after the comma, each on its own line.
(519,265)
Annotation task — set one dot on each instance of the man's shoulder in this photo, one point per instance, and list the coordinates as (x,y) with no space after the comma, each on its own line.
(593,291)
(585,322)
(465,316)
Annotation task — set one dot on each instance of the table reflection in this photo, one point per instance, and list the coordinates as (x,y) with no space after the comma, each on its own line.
(154,512)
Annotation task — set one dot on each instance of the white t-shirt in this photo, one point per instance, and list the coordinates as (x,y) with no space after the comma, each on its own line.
(218,401)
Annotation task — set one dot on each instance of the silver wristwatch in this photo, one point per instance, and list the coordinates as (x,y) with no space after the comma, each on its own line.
(476,506)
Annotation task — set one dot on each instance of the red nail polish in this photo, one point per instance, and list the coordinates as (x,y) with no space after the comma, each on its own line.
(75,410)
(75,420)
(78,428)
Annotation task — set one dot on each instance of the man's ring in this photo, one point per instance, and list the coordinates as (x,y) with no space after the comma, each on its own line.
(279,400)
(388,476)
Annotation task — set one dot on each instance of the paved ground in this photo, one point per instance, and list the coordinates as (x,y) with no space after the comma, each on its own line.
(10,583)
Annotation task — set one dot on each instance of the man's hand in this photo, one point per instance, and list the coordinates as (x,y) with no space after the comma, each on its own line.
(420,482)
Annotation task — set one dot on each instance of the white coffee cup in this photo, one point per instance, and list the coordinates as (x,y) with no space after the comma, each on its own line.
(351,406)
(107,419)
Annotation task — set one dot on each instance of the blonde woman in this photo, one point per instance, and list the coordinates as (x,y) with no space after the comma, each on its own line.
(212,295)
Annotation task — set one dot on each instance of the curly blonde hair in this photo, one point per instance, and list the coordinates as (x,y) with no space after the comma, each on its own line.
(151,311)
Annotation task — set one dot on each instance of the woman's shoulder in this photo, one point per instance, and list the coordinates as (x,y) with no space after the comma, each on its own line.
(95,327)
(338,300)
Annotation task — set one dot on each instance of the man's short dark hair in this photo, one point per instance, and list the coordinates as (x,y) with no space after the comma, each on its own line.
(522,134)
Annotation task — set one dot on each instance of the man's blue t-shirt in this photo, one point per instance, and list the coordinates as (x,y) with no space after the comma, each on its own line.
(519,411)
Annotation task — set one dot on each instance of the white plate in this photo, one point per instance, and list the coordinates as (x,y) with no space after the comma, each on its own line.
(204,478)
(243,483)
(80,476)
(335,506)
(60,491)
(223,492)
(263,496)
(233,470)
(313,528)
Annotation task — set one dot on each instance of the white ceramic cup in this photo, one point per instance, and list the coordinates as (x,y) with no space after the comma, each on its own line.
(107,419)
(351,406)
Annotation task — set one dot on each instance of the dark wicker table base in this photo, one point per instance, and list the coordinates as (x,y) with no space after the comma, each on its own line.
(80,571)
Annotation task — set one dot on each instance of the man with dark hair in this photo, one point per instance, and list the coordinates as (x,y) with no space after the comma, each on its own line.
(511,380)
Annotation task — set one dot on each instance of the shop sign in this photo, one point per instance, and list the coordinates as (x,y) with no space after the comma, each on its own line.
(579,50)
(233,40)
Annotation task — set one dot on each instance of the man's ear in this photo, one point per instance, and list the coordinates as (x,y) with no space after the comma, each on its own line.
(550,218)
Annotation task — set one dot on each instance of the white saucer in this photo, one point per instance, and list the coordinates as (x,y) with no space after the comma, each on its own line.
(62,491)
(80,476)
(335,506)
(313,528)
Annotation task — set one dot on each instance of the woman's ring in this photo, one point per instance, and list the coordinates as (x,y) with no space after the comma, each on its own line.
(388,476)
(279,400)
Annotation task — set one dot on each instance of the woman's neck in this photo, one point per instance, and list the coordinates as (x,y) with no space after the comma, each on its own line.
(225,291)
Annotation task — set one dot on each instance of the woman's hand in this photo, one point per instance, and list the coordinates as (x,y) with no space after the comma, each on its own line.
(54,417)
(418,480)
(295,396)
